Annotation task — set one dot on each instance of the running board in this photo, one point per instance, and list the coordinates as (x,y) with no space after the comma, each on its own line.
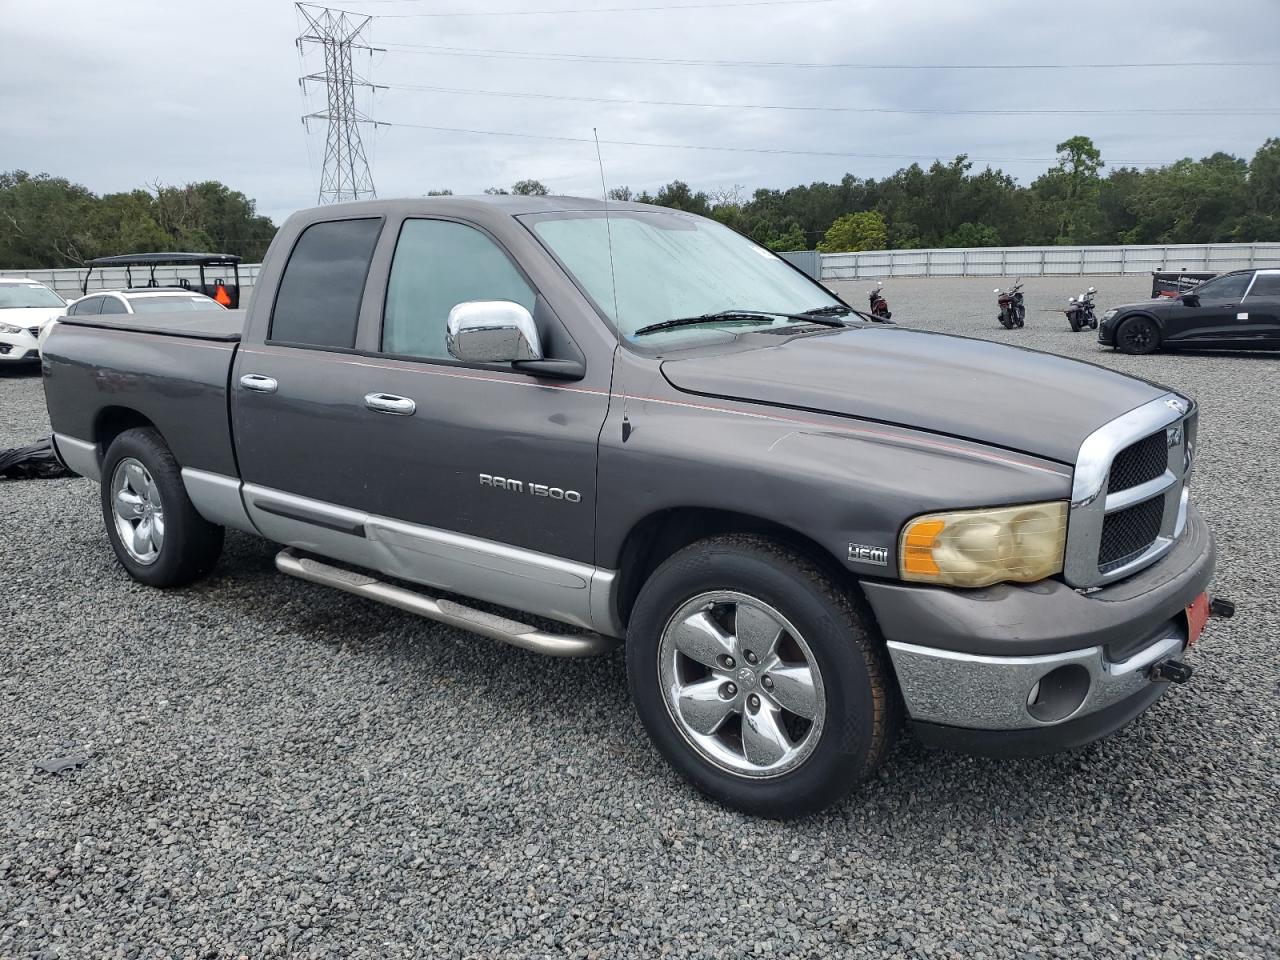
(517,634)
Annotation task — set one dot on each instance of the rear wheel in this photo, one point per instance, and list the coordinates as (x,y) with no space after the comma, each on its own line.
(1074,320)
(1138,335)
(156,533)
(758,677)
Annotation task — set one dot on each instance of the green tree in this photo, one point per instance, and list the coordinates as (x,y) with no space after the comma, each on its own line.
(1070,190)
(792,239)
(677,194)
(972,235)
(854,232)
(529,188)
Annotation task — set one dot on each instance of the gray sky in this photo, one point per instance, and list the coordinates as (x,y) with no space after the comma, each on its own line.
(121,94)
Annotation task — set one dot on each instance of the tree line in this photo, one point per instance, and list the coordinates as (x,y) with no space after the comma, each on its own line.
(1217,199)
(50,222)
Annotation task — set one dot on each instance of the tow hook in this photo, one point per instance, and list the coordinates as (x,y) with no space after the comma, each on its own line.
(1171,671)
(1221,609)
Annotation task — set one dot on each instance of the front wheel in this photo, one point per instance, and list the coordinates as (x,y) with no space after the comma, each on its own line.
(759,678)
(154,529)
(1138,335)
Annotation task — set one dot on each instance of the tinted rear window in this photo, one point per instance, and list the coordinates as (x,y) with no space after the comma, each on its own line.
(319,299)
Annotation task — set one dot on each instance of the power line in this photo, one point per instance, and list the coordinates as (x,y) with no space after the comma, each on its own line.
(926,111)
(727,149)
(642,9)
(501,54)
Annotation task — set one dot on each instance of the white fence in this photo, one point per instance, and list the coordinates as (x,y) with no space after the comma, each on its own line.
(1048,261)
(69,282)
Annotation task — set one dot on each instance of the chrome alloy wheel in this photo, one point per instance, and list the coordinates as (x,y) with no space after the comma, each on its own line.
(741,684)
(137,511)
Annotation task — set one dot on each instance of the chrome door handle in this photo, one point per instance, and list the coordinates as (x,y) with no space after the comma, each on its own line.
(390,403)
(258,383)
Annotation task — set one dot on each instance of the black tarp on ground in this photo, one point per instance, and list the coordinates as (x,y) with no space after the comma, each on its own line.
(35,462)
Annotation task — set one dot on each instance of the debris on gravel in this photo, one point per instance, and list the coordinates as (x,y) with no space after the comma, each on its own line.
(284,770)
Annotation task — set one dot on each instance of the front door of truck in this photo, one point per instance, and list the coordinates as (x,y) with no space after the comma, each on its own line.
(400,457)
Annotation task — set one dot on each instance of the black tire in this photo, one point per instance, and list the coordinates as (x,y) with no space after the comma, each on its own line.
(862,705)
(1019,316)
(1138,335)
(1074,321)
(1005,319)
(190,544)
(1093,323)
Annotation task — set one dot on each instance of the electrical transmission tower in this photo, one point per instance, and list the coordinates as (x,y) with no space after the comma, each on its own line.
(345,175)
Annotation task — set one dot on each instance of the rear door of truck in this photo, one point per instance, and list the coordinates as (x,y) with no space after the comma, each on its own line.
(378,454)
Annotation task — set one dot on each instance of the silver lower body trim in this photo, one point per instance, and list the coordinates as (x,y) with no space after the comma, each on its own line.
(80,456)
(992,693)
(525,580)
(217,499)
(445,611)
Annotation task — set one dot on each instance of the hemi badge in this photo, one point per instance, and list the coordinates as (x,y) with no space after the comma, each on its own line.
(861,553)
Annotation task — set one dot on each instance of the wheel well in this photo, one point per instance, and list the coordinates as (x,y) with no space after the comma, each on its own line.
(113,421)
(661,534)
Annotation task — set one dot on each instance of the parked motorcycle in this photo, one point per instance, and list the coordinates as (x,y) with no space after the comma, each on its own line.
(1012,312)
(879,305)
(1080,311)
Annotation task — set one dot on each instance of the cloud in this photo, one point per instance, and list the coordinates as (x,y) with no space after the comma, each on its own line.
(116,96)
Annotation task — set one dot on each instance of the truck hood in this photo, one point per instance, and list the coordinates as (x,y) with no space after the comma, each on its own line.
(1009,397)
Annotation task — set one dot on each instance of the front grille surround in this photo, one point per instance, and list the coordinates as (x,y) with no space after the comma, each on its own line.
(1129,498)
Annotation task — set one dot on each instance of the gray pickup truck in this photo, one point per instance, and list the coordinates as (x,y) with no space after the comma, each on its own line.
(805,525)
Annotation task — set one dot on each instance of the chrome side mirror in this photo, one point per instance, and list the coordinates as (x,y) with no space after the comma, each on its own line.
(492,331)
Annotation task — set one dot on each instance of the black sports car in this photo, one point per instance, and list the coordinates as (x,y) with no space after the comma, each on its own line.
(1236,311)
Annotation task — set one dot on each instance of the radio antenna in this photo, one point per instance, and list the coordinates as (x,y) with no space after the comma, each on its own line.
(608,227)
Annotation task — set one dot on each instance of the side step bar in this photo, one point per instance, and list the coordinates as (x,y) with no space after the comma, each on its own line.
(290,562)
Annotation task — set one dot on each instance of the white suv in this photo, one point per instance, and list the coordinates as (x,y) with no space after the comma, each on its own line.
(26,307)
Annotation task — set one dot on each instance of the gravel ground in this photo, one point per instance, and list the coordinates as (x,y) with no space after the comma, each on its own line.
(278,769)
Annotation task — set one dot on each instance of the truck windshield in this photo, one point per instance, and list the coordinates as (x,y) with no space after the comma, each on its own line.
(675,265)
(14,296)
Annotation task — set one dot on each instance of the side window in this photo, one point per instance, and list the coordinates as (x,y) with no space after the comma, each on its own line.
(438,265)
(1267,285)
(318,303)
(85,308)
(112,305)
(1224,288)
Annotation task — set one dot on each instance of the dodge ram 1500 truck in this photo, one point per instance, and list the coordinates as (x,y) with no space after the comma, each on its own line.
(805,526)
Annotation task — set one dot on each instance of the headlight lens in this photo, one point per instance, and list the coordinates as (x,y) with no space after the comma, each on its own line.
(1110,313)
(976,548)
(9,328)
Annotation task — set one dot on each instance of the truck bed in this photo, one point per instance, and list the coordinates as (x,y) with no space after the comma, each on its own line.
(222,325)
(171,369)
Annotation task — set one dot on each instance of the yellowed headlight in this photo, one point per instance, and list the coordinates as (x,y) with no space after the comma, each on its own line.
(976,548)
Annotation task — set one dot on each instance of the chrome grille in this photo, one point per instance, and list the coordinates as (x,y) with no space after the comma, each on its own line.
(1128,532)
(1138,463)
(1128,498)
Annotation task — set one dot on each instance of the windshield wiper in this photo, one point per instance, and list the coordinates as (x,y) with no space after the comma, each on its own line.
(826,316)
(842,310)
(724,316)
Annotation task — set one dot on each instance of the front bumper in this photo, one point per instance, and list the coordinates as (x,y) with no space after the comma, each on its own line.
(968,661)
(18,348)
(1107,332)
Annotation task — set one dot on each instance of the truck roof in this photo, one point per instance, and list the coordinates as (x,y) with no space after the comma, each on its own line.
(509,204)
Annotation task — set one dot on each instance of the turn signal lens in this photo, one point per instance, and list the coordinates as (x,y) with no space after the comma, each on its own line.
(976,548)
